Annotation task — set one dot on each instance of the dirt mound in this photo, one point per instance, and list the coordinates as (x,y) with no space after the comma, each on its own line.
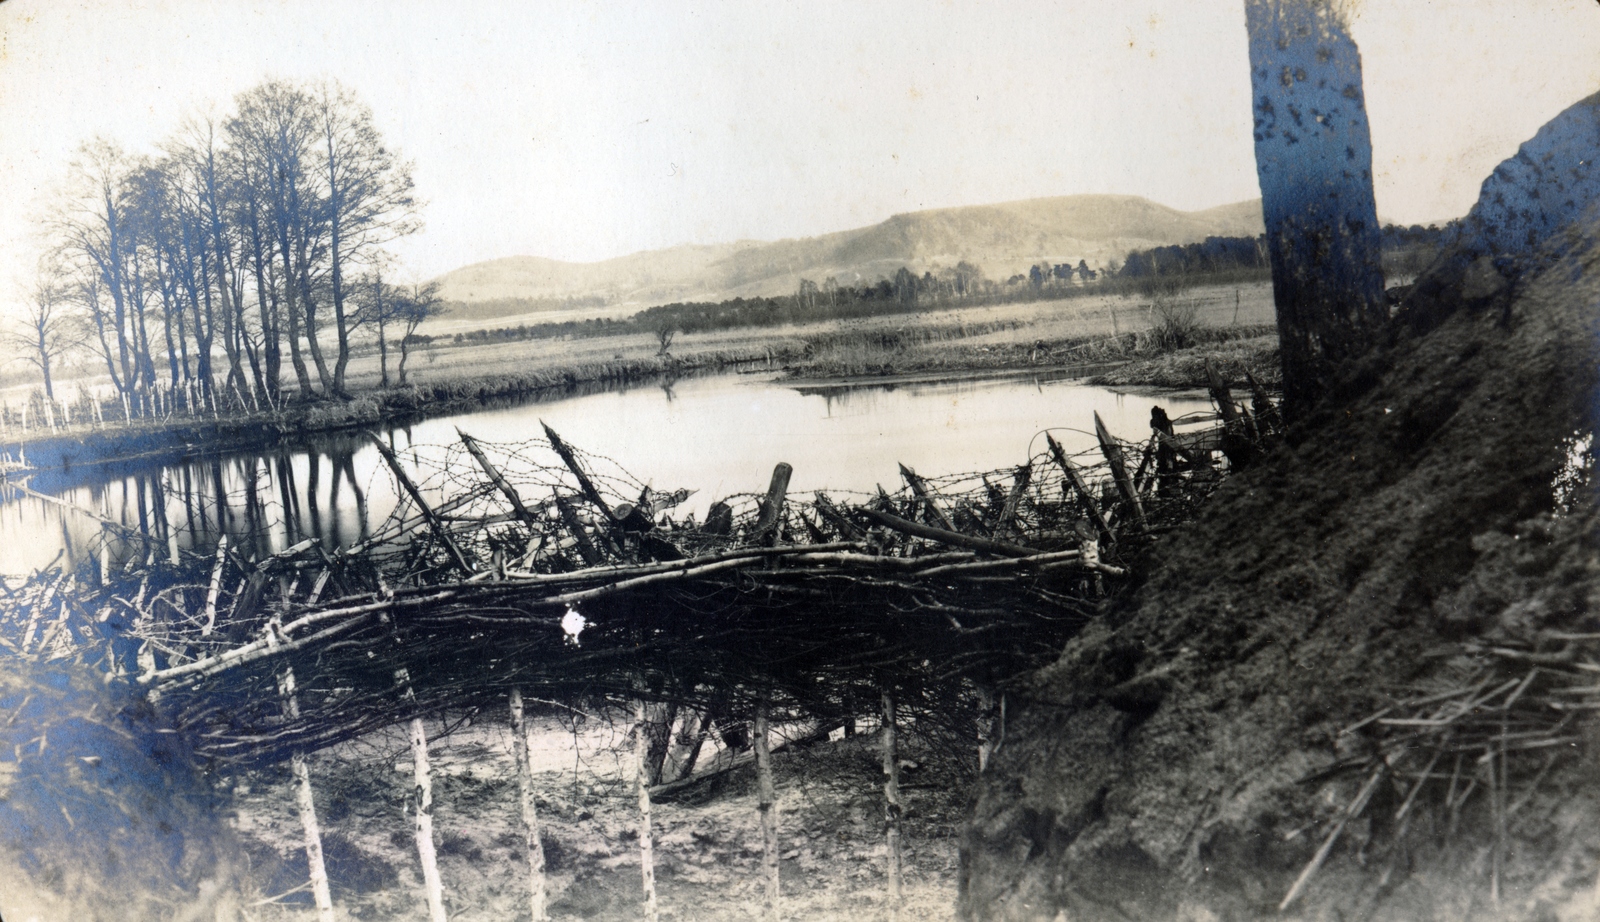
(1174,763)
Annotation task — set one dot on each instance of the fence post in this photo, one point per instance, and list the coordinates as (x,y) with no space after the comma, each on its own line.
(522,744)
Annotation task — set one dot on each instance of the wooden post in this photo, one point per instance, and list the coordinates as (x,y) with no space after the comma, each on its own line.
(533,849)
(423,804)
(1019,486)
(891,802)
(1119,469)
(647,860)
(1221,396)
(434,522)
(304,801)
(571,460)
(920,488)
(771,516)
(766,803)
(1081,488)
(504,485)
(216,587)
(569,518)
(836,518)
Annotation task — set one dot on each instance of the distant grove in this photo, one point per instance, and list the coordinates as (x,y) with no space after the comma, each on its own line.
(191,273)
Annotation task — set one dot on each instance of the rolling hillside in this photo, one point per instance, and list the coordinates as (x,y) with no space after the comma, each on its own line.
(1003,239)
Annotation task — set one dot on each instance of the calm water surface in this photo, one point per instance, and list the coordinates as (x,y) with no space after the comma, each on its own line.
(717,435)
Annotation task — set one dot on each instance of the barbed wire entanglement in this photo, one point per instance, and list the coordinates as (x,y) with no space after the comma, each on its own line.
(539,566)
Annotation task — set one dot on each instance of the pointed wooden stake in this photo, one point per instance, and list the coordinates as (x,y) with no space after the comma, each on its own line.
(571,460)
(495,477)
(1082,489)
(1119,469)
(920,488)
(434,522)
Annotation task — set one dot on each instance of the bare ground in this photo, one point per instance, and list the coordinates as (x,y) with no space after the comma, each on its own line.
(707,842)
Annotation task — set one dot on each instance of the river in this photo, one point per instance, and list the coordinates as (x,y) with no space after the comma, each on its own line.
(716,435)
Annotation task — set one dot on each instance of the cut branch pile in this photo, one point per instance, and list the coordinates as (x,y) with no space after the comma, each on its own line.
(539,567)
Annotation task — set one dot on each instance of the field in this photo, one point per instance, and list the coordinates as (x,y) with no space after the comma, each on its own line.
(950,339)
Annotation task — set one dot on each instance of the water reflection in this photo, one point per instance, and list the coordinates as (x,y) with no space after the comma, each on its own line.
(718,435)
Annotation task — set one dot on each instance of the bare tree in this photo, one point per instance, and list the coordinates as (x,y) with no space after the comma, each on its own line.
(368,199)
(47,330)
(417,305)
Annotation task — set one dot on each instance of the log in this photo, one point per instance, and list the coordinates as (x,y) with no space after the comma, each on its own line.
(571,460)
(434,522)
(1119,469)
(1079,487)
(533,848)
(947,537)
(1221,396)
(920,488)
(766,530)
(766,798)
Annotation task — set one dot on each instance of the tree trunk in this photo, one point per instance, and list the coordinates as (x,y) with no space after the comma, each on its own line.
(1314,162)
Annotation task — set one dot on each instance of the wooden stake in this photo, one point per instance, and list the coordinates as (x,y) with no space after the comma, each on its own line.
(216,587)
(504,485)
(1119,469)
(647,860)
(1019,487)
(766,531)
(304,801)
(836,518)
(891,803)
(766,797)
(988,713)
(920,488)
(571,460)
(533,848)
(1081,488)
(434,522)
(569,518)
(423,805)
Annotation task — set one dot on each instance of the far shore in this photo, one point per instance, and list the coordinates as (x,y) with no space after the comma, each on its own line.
(1112,341)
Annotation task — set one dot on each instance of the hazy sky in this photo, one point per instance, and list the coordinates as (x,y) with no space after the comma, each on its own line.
(588,130)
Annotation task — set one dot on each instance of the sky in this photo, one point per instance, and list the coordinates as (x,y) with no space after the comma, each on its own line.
(582,131)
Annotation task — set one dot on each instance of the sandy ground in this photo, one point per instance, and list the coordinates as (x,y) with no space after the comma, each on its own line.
(707,843)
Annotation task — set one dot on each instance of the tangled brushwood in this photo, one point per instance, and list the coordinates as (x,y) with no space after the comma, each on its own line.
(540,567)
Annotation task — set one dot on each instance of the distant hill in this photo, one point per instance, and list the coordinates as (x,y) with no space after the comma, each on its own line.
(1002,239)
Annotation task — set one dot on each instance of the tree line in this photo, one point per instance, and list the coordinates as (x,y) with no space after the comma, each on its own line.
(246,239)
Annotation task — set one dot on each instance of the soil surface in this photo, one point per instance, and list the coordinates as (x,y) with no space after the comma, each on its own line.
(707,841)
(1181,760)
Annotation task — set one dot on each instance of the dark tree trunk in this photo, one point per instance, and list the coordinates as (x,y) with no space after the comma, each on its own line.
(1314,160)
